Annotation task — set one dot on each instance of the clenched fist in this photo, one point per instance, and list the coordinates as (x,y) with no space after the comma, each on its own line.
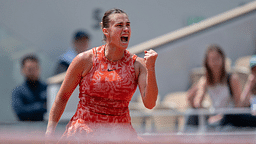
(150,59)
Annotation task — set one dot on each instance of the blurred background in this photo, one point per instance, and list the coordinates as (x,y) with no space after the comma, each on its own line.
(46,28)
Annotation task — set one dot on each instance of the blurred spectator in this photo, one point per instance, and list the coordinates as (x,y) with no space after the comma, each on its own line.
(80,43)
(248,99)
(29,99)
(223,88)
(249,92)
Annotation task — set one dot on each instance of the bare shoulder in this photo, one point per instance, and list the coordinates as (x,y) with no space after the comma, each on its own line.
(83,61)
(85,56)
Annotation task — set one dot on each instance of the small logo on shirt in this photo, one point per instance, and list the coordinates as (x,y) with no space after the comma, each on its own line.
(111,70)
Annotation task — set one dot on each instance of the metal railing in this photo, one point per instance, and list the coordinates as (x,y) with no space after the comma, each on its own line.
(202,113)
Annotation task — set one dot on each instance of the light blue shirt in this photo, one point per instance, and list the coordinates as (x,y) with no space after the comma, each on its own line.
(68,56)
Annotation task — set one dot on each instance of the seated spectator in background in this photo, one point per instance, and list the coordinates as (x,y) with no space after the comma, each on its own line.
(224,89)
(249,92)
(80,43)
(247,99)
(29,99)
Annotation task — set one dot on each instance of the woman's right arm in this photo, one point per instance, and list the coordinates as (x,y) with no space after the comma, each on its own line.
(201,89)
(81,64)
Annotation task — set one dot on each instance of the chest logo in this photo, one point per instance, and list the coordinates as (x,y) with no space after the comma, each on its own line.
(111,70)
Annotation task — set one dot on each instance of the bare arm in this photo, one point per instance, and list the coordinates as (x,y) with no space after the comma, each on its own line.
(191,94)
(200,94)
(77,69)
(236,89)
(246,94)
(147,78)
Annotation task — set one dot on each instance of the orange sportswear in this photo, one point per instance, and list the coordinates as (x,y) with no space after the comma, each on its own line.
(104,93)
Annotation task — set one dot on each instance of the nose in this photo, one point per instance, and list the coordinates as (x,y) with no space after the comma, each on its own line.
(126,28)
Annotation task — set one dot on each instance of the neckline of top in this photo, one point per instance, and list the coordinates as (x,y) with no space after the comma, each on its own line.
(113,62)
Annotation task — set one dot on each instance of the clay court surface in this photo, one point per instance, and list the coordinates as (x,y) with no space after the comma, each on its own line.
(28,133)
(151,138)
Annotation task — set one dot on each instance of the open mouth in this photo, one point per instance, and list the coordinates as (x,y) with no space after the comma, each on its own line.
(124,39)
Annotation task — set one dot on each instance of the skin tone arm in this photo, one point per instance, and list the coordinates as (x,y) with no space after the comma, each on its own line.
(200,94)
(236,89)
(191,95)
(246,94)
(145,69)
(77,69)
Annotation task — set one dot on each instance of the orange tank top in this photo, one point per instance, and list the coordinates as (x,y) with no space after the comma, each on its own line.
(105,93)
(106,90)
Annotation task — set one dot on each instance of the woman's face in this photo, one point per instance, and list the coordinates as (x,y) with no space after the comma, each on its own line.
(214,60)
(119,31)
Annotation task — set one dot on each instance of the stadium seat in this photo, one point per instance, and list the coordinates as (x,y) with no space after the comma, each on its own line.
(243,62)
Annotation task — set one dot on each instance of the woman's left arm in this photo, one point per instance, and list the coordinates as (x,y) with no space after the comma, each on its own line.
(147,78)
(236,89)
(247,91)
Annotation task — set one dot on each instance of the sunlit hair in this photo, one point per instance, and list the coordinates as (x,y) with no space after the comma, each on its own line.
(209,73)
(105,19)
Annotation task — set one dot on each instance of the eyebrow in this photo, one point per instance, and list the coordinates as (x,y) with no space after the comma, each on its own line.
(122,22)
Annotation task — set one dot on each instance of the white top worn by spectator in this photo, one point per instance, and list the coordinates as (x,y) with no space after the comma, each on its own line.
(220,96)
